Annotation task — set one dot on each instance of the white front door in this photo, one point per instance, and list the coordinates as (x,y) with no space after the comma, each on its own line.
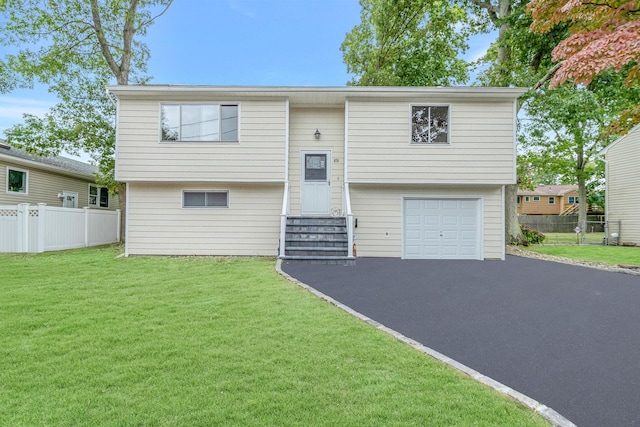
(315,185)
(69,199)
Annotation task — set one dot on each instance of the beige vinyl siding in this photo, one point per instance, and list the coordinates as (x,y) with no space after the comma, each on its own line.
(258,156)
(303,124)
(623,186)
(481,148)
(159,225)
(379,213)
(44,187)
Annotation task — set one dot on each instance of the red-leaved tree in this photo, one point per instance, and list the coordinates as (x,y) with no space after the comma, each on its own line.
(604,35)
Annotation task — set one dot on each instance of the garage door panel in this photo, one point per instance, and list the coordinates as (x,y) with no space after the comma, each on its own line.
(431,220)
(450,220)
(441,228)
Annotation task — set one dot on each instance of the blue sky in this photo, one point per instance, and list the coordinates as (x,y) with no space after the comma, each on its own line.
(239,42)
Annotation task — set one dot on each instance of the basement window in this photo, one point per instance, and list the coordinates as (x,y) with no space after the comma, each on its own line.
(205,199)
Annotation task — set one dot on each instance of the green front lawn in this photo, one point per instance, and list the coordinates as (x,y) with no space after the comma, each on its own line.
(613,255)
(88,339)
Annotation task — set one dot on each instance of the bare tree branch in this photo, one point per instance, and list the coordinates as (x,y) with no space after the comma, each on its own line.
(144,24)
(547,76)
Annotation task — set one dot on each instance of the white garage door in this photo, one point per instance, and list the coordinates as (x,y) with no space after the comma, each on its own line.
(441,228)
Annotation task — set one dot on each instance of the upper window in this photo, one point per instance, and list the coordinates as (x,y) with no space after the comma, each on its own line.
(429,124)
(519,200)
(205,199)
(552,200)
(526,198)
(573,200)
(199,122)
(536,198)
(98,196)
(16,181)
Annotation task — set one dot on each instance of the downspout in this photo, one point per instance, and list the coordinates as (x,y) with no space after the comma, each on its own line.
(606,195)
(285,198)
(347,195)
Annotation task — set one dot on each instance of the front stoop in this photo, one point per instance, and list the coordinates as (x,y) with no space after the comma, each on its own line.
(317,240)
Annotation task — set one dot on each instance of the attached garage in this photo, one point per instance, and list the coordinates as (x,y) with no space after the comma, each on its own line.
(442,228)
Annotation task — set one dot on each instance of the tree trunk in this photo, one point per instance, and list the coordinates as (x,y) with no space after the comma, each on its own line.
(513,236)
(582,204)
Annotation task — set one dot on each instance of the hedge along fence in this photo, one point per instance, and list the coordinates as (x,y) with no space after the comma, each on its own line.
(43,228)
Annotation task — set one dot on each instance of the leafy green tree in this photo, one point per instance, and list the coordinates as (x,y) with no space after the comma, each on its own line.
(565,129)
(604,36)
(407,43)
(75,48)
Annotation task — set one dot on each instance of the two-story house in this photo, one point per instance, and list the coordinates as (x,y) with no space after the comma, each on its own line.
(304,172)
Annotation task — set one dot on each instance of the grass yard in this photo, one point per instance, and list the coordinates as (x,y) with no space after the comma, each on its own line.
(88,339)
(613,255)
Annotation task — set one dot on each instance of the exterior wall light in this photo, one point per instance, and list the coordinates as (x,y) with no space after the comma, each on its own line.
(317,134)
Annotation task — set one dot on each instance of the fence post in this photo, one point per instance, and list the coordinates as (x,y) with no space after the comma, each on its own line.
(118,216)
(42,225)
(86,226)
(23,227)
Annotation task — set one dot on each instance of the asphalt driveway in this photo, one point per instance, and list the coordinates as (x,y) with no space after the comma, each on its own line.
(566,336)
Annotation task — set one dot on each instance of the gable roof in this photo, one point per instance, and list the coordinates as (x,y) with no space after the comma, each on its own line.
(62,165)
(548,190)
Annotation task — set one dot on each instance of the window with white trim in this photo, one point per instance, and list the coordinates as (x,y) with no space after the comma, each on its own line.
(536,198)
(17,181)
(519,199)
(573,200)
(527,198)
(552,200)
(205,199)
(98,196)
(429,124)
(199,122)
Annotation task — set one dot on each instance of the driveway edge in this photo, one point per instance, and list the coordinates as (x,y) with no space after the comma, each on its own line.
(549,414)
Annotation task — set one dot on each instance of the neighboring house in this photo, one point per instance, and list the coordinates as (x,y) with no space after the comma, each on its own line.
(382,171)
(548,200)
(56,181)
(622,200)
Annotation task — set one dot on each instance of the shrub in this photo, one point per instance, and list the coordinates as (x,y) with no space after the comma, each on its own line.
(531,236)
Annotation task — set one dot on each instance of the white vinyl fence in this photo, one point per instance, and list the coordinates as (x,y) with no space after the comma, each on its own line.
(42,228)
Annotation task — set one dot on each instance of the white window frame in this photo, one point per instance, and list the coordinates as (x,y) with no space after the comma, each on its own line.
(552,200)
(518,200)
(205,192)
(26,183)
(573,200)
(426,105)
(98,201)
(218,104)
(527,199)
(536,198)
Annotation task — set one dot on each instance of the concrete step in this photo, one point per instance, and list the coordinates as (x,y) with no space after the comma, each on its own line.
(311,220)
(316,228)
(331,260)
(316,252)
(316,244)
(323,237)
